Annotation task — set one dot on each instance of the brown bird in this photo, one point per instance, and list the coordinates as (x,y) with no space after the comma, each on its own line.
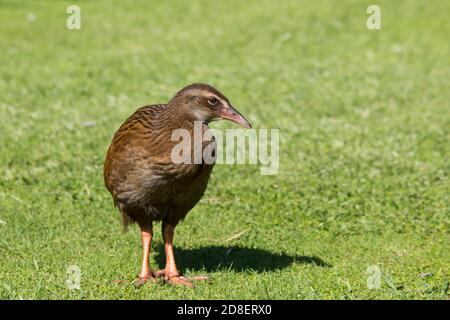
(146,183)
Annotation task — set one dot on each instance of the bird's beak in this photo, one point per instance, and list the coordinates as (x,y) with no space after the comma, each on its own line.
(230,113)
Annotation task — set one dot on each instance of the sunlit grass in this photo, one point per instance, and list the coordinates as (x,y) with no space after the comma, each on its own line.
(364,156)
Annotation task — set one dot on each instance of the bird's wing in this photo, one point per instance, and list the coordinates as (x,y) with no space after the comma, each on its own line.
(136,144)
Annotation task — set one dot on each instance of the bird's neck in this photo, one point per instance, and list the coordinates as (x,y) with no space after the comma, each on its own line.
(175,118)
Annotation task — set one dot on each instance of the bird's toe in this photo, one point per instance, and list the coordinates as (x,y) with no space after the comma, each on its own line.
(186,281)
(180,280)
(139,281)
(199,278)
(160,273)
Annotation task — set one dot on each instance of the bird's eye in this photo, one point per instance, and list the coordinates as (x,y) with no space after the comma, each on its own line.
(212,101)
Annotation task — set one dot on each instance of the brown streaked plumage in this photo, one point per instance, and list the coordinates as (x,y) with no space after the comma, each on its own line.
(146,184)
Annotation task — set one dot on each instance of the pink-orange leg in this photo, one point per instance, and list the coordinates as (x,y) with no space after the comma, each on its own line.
(170,273)
(145,274)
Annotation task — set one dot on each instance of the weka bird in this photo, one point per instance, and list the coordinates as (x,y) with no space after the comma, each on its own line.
(145,182)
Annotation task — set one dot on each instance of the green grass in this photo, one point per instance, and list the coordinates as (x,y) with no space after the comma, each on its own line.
(364,157)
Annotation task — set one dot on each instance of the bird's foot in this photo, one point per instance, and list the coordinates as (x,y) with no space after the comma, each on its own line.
(142,279)
(175,278)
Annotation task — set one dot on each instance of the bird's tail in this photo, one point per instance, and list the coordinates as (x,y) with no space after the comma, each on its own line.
(126,219)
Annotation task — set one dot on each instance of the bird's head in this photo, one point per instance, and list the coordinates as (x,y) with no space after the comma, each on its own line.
(202,102)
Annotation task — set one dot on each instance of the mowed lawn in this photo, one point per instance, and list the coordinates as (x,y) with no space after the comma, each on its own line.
(364,118)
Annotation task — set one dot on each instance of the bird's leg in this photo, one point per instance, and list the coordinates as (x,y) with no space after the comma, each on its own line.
(170,273)
(145,274)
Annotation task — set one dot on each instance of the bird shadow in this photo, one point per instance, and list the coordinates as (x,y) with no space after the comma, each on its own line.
(239,259)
